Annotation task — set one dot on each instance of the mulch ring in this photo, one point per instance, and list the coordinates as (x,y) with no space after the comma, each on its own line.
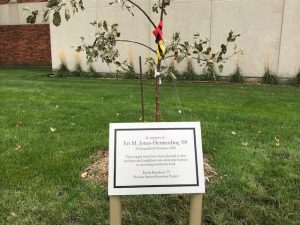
(98,170)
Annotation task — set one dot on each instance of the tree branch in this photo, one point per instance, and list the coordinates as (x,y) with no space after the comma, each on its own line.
(235,53)
(136,42)
(174,56)
(204,60)
(162,10)
(143,11)
(169,56)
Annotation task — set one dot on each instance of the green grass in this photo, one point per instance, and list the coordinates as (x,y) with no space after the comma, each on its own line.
(41,184)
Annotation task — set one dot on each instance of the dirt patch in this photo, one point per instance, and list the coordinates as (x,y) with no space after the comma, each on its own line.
(209,171)
(99,169)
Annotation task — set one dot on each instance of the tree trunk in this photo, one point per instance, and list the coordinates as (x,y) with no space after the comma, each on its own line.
(157,94)
(157,78)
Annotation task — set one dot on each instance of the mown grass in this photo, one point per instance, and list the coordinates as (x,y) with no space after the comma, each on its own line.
(251,132)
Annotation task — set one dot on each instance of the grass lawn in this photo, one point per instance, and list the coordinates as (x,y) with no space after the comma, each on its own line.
(252,134)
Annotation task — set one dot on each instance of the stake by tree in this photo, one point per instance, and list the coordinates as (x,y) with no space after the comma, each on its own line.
(104,45)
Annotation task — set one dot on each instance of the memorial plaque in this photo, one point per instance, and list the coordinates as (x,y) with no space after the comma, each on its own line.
(155,158)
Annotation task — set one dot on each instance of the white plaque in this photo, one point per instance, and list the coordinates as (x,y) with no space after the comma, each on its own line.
(155,158)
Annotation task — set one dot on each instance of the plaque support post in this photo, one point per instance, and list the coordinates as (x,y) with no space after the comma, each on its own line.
(115,204)
(196,209)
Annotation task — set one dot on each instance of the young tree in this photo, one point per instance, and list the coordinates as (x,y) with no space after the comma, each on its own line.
(107,36)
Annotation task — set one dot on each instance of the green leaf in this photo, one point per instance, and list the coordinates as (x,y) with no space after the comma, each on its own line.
(220,58)
(78,49)
(223,49)
(230,36)
(93,23)
(179,59)
(31,19)
(52,3)
(155,8)
(35,12)
(67,14)
(46,15)
(81,5)
(118,63)
(105,25)
(208,50)
(176,36)
(114,26)
(221,67)
(56,18)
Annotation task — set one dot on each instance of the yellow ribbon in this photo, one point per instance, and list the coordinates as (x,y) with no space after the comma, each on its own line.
(160,51)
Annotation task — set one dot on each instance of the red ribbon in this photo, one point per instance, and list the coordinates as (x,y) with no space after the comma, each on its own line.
(158,32)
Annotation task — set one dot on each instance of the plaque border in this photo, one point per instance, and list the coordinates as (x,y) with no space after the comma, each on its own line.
(154,186)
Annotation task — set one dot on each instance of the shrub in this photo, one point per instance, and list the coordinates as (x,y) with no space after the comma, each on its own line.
(131,73)
(189,72)
(270,78)
(171,73)
(93,73)
(63,70)
(237,76)
(77,72)
(210,74)
(295,81)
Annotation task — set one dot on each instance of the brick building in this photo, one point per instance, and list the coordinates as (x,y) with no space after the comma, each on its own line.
(20,43)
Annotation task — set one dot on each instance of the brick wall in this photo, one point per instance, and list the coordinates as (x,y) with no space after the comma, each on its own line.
(25,45)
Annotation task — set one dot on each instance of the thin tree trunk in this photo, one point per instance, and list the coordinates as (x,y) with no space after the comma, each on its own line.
(157,94)
(157,78)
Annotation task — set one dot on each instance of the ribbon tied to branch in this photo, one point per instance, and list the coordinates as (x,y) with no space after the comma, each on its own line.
(161,49)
